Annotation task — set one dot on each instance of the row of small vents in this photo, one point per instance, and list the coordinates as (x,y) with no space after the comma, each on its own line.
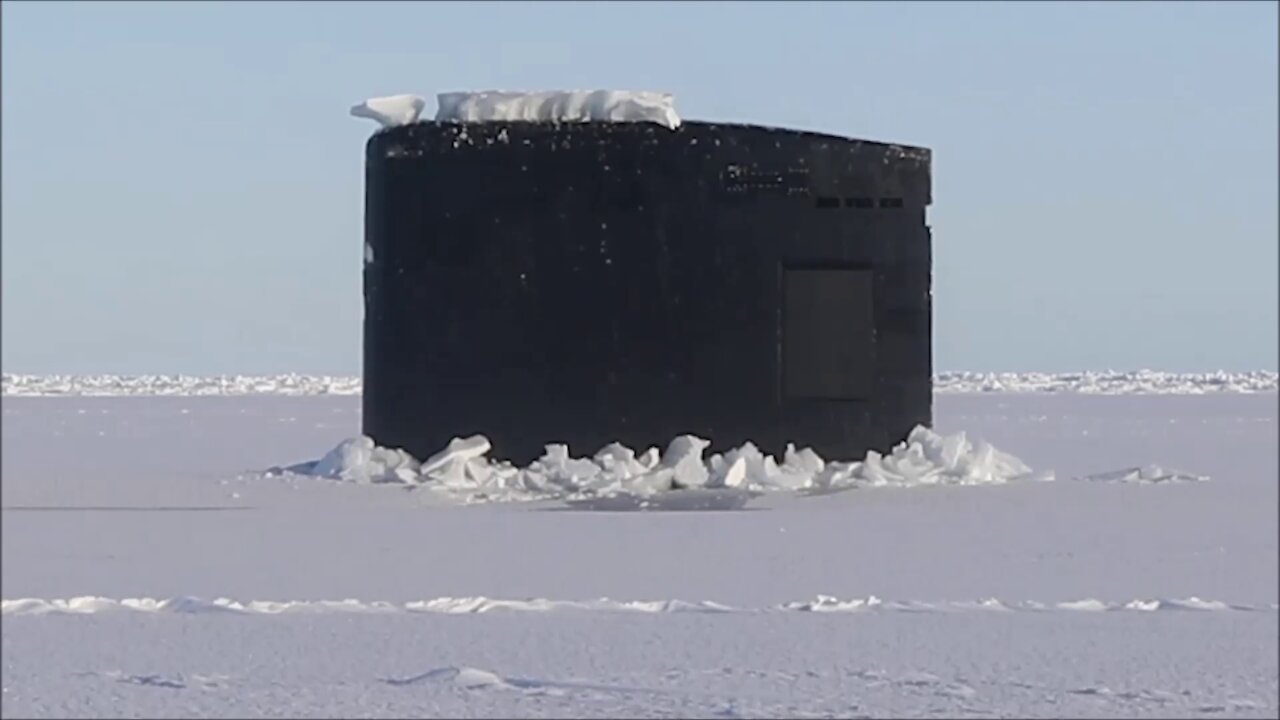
(745,180)
(857,203)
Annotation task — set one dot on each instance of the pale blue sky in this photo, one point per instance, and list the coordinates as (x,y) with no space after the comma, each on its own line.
(182,185)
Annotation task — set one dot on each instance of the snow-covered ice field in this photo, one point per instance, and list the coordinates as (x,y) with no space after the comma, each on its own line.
(148,570)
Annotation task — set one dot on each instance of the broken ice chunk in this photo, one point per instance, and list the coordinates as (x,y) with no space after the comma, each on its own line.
(392,110)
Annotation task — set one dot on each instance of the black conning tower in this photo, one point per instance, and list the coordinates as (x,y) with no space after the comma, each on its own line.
(592,282)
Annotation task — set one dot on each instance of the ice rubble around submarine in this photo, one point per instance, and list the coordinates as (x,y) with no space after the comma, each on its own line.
(464,468)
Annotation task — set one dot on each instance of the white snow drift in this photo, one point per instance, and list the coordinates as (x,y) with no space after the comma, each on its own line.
(546,106)
(91,605)
(559,106)
(463,469)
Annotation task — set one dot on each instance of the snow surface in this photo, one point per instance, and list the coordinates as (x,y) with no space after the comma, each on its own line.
(559,106)
(146,573)
(799,665)
(392,110)
(1140,382)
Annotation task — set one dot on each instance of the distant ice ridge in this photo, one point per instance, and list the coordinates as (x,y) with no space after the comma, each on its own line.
(177,385)
(464,471)
(90,605)
(1141,382)
(1109,382)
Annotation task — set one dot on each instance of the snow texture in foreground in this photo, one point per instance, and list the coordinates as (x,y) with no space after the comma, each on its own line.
(392,110)
(617,475)
(1145,475)
(559,106)
(1142,382)
(89,605)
